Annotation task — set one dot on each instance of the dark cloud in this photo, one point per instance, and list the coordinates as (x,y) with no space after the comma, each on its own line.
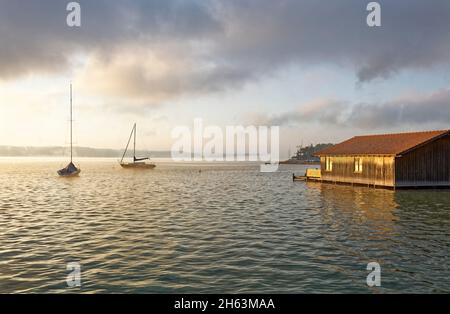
(225,43)
(429,109)
(414,34)
(324,111)
(415,109)
(35,37)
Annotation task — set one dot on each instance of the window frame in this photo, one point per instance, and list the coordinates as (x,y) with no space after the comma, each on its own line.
(357,165)
(328,164)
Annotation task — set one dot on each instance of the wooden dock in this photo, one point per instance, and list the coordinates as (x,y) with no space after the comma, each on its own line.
(310,174)
(313,175)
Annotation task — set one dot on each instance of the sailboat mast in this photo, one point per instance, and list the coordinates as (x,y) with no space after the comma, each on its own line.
(128,143)
(71,154)
(134,147)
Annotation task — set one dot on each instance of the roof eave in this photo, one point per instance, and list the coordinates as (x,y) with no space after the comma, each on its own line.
(424,143)
(351,155)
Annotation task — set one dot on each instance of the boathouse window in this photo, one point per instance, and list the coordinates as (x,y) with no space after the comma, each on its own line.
(358,165)
(328,164)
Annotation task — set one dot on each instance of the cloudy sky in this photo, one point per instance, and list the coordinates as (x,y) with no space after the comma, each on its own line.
(313,67)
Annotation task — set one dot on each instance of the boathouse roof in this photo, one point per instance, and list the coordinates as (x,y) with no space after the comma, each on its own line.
(383,144)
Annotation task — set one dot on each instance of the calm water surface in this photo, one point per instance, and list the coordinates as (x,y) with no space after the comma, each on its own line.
(226,229)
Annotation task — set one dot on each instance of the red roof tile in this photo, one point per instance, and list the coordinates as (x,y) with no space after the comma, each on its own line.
(383,144)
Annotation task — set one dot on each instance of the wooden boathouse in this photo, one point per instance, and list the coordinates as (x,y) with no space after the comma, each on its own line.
(403,160)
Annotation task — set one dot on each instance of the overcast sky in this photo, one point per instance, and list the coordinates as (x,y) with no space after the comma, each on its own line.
(313,67)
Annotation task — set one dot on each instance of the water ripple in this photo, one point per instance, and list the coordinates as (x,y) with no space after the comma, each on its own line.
(225,229)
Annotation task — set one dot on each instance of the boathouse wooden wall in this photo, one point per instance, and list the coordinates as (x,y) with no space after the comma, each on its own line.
(376,170)
(428,165)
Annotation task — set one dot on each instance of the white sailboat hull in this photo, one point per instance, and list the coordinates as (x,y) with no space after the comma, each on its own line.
(137,165)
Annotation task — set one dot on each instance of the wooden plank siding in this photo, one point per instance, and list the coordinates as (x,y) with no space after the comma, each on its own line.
(428,165)
(376,170)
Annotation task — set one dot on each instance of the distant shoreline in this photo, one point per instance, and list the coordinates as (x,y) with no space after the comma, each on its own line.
(88,152)
(60,151)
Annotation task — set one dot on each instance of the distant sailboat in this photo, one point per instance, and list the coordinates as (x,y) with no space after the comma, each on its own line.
(137,163)
(70,170)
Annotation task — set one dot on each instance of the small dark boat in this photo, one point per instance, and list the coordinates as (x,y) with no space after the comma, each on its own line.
(69,171)
(299,178)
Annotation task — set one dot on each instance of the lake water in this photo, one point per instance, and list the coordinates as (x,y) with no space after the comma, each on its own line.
(224,229)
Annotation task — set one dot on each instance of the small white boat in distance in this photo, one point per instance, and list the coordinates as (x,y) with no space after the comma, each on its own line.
(70,170)
(137,163)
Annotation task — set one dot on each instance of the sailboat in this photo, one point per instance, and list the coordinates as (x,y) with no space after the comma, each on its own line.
(137,163)
(70,170)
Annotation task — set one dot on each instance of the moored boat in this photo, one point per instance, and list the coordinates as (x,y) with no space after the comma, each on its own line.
(137,163)
(70,170)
